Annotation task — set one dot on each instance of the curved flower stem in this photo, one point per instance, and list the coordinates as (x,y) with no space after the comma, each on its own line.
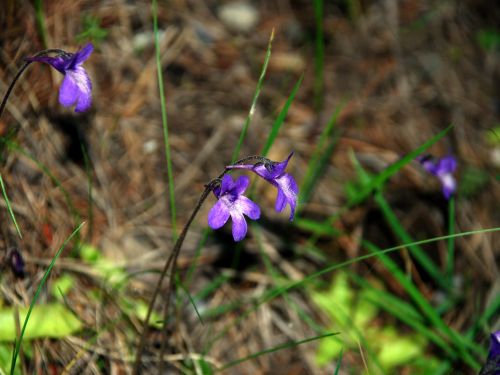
(171,263)
(12,84)
(20,72)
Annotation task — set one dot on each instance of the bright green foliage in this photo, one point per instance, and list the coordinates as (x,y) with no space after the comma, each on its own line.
(354,315)
(61,286)
(51,320)
(5,358)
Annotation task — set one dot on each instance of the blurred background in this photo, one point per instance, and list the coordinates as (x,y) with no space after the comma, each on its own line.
(380,78)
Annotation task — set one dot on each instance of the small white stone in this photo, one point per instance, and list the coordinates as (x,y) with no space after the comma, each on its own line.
(150,146)
(239,16)
(495,157)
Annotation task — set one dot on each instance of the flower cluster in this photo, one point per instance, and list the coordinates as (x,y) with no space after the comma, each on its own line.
(76,87)
(232,203)
(443,169)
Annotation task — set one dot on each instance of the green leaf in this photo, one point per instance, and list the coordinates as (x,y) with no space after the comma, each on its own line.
(5,356)
(397,350)
(61,287)
(51,320)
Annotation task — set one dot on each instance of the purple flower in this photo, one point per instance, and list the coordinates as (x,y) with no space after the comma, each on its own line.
(76,87)
(274,172)
(494,345)
(443,169)
(16,263)
(232,203)
(492,366)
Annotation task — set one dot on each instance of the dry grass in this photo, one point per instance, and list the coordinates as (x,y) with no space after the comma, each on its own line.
(406,73)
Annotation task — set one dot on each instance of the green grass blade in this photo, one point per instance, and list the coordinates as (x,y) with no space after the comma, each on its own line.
(275,349)
(191,301)
(419,254)
(37,293)
(426,308)
(278,291)
(281,118)
(320,158)
(166,141)
(243,134)
(40,22)
(339,363)
(9,207)
(490,312)
(379,180)
(319,56)
(450,260)
(279,279)
(404,312)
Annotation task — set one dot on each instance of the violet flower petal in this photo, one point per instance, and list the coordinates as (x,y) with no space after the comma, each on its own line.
(287,193)
(248,207)
(76,87)
(274,173)
(231,203)
(239,229)
(443,169)
(494,345)
(83,54)
(218,215)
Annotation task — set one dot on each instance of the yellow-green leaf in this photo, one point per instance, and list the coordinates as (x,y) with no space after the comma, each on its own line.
(51,320)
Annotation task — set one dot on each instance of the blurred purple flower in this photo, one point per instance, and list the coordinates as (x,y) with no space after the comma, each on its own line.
(492,366)
(16,263)
(232,203)
(494,345)
(76,87)
(274,172)
(443,169)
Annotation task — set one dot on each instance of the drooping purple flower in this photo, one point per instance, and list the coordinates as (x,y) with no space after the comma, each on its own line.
(232,203)
(492,366)
(274,172)
(76,87)
(443,169)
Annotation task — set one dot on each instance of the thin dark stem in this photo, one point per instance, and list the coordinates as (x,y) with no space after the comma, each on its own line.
(12,84)
(172,263)
(21,71)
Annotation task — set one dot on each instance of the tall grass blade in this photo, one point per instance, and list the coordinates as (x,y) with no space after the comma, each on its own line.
(9,207)
(278,291)
(40,22)
(19,341)
(281,118)
(166,141)
(426,308)
(419,254)
(403,311)
(275,349)
(320,158)
(450,260)
(379,180)
(251,112)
